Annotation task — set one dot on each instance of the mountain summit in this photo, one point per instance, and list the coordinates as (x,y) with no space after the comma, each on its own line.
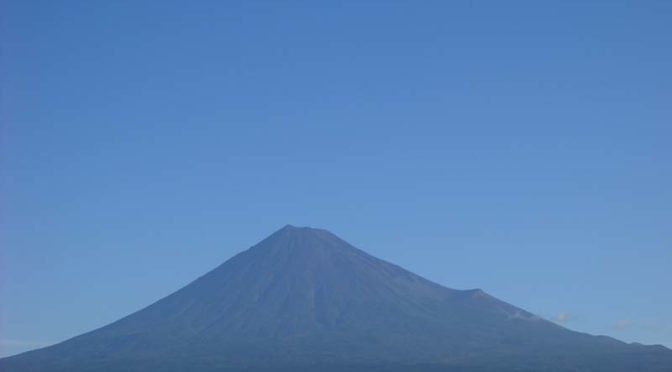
(305,300)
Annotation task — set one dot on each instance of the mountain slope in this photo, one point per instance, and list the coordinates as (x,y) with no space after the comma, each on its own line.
(303,299)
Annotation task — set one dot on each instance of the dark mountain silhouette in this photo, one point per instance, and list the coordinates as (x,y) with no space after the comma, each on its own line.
(305,300)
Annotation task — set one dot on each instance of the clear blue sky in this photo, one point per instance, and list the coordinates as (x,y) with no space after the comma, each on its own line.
(522,147)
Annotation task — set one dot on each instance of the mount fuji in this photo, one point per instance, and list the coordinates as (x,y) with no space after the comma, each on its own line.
(305,300)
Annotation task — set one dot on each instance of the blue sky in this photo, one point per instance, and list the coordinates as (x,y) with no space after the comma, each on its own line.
(519,147)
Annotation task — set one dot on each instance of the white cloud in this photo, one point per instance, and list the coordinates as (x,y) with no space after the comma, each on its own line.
(621,325)
(562,318)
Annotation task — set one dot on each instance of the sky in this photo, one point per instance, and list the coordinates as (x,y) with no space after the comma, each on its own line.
(522,147)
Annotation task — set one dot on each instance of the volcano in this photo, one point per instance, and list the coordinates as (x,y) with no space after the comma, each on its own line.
(305,300)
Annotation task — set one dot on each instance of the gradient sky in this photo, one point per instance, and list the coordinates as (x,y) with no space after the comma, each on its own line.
(519,147)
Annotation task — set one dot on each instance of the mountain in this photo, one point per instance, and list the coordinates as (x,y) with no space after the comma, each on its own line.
(305,300)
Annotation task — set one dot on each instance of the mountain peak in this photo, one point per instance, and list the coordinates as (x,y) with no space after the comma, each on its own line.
(290,227)
(297,229)
(291,236)
(300,229)
(306,247)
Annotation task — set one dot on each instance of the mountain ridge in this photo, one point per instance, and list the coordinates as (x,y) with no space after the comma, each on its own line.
(305,297)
